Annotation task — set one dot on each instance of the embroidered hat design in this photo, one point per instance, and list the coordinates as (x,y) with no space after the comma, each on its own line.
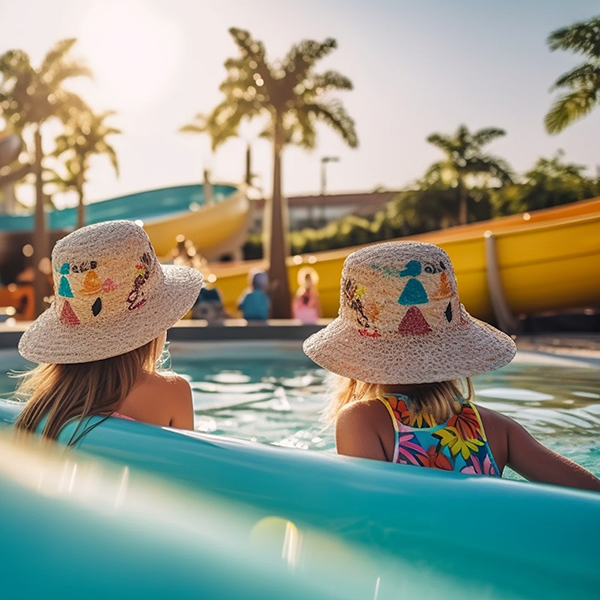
(112,296)
(401,321)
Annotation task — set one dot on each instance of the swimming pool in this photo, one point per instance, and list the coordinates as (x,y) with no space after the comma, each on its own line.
(270,392)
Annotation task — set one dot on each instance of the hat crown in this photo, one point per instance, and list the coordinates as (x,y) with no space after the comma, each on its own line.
(102,272)
(399,288)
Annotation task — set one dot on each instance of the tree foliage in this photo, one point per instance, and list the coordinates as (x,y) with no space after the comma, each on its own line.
(466,165)
(550,182)
(84,136)
(29,97)
(294,97)
(582,84)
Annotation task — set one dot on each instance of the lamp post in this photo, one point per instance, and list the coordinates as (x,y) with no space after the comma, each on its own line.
(324,161)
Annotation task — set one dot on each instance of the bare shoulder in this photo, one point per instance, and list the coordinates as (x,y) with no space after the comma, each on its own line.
(364,429)
(363,413)
(170,381)
(495,420)
(170,388)
(161,399)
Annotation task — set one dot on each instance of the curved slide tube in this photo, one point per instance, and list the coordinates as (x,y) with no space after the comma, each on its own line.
(548,260)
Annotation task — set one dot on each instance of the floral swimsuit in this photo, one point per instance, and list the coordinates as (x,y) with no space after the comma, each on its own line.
(458,445)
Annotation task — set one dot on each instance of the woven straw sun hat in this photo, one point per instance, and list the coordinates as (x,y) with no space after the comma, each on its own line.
(111,296)
(401,321)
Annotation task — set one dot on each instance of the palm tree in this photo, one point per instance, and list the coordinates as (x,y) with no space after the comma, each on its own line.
(583,82)
(466,161)
(219,133)
(294,98)
(29,98)
(11,170)
(84,136)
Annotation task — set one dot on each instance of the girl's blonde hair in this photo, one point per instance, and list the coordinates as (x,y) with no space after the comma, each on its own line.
(438,399)
(61,392)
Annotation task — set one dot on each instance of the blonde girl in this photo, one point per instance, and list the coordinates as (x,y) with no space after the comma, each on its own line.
(306,305)
(98,344)
(404,348)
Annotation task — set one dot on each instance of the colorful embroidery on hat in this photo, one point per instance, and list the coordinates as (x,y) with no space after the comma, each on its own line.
(412,269)
(385,270)
(68,316)
(444,289)
(431,267)
(97,307)
(352,294)
(413,293)
(448,312)
(64,289)
(109,285)
(91,284)
(367,333)
(136,299)
(84,266)
(64,269)
(414,323)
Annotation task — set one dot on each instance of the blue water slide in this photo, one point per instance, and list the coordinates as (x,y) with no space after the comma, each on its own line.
(148,205)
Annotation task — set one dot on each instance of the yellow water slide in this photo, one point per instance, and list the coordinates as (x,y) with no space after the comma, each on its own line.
(548,260)
(212,227)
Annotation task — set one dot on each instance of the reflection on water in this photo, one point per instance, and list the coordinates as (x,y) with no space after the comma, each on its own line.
(273,393)
(270,392)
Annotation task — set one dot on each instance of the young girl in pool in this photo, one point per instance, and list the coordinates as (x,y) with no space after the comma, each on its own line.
(99,341)
(404,349)
(306,305)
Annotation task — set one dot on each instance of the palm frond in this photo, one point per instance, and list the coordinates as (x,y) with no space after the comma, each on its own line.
(585,76)
(582,38)
(192,128)
(15,63)
(335,115)
(328,81)
(491,165)
(68,71)
(485,136)
(443,142)
(56,54)
(309,51)
(254,51)
(569,108)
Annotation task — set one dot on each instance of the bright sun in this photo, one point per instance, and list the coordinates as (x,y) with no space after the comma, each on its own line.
(132,51)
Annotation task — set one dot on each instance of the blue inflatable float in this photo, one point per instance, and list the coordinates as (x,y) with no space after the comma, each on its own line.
(354,528)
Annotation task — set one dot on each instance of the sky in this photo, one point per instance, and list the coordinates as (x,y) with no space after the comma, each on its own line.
(417,68)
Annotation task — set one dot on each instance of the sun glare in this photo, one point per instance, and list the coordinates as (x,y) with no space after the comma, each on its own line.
(132,51)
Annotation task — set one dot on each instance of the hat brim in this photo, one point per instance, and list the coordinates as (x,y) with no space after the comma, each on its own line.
(49,341)
(471,348)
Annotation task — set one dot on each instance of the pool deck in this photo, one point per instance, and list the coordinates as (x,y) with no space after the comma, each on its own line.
(563,343)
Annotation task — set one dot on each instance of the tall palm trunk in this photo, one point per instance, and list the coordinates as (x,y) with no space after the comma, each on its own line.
(276,234)
(40,233)
(248,164)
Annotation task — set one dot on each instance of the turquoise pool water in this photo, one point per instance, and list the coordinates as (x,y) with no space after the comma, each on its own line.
(270,392)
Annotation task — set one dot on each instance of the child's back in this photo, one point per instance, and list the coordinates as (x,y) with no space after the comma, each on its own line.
(402,345)
(255,306)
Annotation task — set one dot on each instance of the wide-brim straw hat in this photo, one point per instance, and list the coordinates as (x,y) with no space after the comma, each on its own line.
(401,321)
(111,296)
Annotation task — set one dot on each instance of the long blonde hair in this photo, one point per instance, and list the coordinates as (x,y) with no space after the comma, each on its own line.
(59,393)
(437,399)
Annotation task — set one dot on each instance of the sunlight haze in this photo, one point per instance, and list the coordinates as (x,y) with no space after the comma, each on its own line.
(417,68)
